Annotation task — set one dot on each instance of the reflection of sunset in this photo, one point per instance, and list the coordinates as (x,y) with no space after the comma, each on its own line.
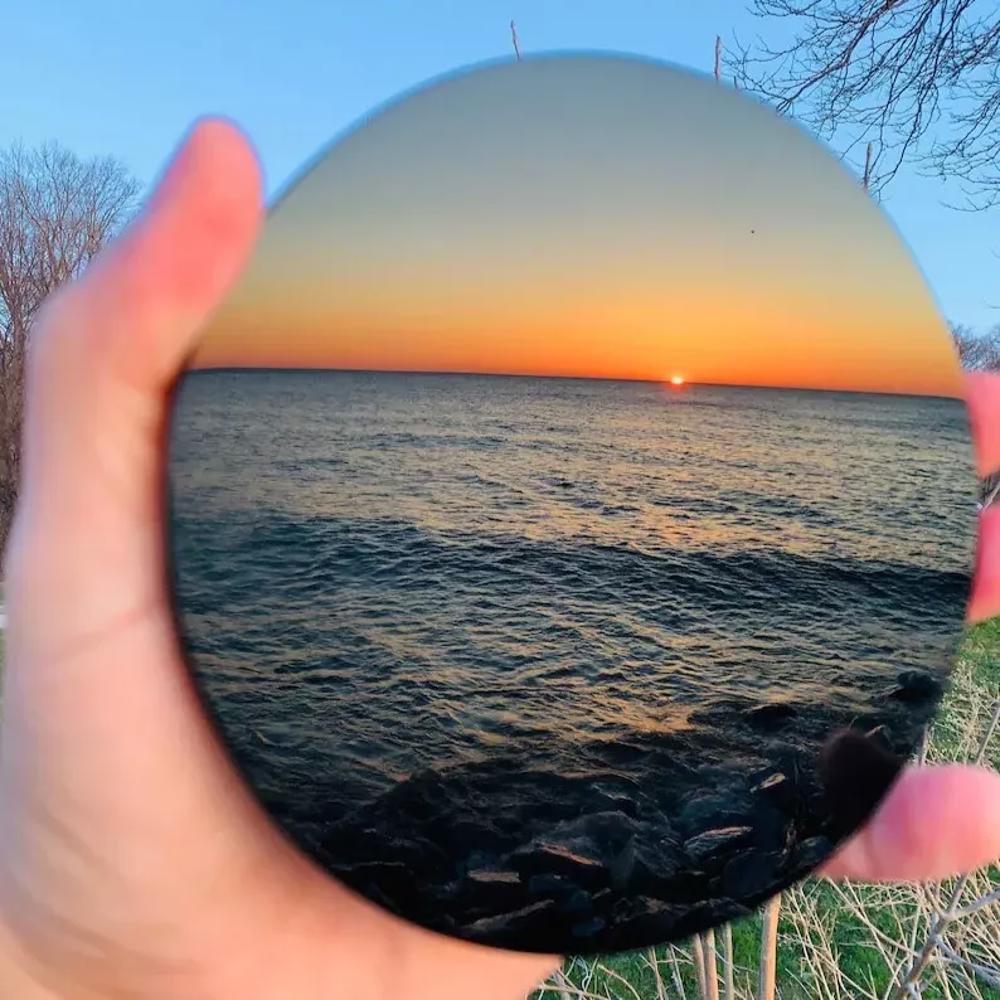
(614,233)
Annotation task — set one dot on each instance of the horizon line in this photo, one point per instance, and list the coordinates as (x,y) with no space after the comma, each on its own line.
(305,369)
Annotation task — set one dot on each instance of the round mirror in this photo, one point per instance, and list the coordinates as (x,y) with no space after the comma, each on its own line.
(579,454)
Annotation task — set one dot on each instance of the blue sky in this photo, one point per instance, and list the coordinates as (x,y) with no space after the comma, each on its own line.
(116,77)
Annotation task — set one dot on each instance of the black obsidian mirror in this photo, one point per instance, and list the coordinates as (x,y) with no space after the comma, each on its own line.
(580,452)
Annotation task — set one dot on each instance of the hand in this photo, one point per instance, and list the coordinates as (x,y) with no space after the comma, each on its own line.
(133,860)
(939,821)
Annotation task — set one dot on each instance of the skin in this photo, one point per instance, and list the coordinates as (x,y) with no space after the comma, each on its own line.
(133,860)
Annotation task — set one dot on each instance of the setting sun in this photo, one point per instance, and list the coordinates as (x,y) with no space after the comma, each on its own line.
(676,379)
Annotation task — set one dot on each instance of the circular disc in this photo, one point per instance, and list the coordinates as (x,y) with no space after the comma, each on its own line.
(580,455)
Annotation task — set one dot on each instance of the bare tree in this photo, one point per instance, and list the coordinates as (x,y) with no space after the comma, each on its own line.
(918,78)
(56,212)
(978,352)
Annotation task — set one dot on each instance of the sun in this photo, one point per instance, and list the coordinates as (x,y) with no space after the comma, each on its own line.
(676,379)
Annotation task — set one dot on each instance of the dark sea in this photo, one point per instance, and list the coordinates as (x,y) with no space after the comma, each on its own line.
(445,621)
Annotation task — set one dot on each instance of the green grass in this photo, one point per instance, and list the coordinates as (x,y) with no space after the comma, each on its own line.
(981,648)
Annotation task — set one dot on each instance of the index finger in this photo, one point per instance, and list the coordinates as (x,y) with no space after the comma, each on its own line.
(983,398)
(982,394)
(936,822)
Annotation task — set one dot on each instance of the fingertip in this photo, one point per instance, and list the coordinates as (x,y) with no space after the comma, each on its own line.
(937,822)
(108,346)
(156,286)
(982,393)
(212,188)
(984,600)
(216,145)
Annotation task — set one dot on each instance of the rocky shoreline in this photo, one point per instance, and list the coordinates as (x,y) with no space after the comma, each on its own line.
(631,842)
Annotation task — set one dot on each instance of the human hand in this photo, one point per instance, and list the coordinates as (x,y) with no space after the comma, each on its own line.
(943,820)
(134,862)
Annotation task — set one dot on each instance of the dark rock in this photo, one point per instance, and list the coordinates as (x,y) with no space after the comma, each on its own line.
(499,892)
(683,888)
(374,846)
(508,926)
(881,735)
(623,865)
(574,861)
(588,928)
(770,716)
(488,876)
(346,843)
(625,805)
(456,836)
(547,884)
(917,685)
(712,810)
(642,906)
(855,772)
(643,918)
(712,842)
(614,784)
(478,897)
(810,853)
(751,874)
(614,801)
(772,826)
(776,787)
(389,880)
(718,715)
(774,780)
(602,900)
(657,866)
(579,901)
(607,831)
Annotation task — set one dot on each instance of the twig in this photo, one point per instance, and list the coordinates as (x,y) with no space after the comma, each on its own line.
(992,495)
(513,38)
(868,166)
(988,735)
(711,968)
(675,970)
(727,962)
(975,906)
(608,971)
(654,964)
(698,952)
(718,58)
(562,986)
(991,977)
(768,949)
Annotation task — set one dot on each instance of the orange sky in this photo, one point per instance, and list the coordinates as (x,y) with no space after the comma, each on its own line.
(587,216)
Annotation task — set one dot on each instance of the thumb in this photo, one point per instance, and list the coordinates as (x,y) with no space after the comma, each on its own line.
(87,534)
(96,703)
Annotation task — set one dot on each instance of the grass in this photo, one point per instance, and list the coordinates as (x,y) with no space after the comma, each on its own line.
(840,940)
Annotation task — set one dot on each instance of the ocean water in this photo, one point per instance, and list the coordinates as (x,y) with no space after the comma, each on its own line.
(428,599)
